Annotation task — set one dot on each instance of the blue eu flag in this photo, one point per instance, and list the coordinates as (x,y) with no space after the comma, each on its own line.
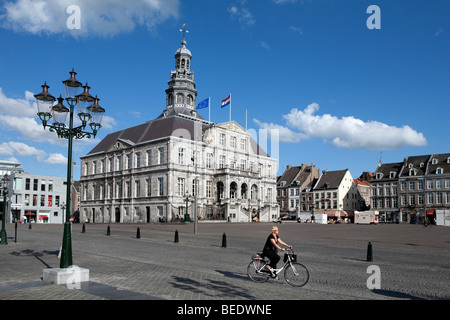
(203,104)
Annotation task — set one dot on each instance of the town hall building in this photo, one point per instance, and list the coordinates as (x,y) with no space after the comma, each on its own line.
(177,164)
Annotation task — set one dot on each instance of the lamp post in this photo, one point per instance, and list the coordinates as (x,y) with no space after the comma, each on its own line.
(89,111)
(3,234)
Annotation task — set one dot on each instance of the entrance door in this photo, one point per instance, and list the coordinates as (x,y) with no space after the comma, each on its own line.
(117,220)
(148,214)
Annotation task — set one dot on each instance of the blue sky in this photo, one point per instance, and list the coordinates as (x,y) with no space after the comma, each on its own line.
(341,95)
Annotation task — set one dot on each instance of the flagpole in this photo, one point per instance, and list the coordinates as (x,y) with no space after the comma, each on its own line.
(209,109)
(230,107)
(245,119)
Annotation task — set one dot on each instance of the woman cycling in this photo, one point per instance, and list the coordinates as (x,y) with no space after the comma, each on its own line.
(270,249)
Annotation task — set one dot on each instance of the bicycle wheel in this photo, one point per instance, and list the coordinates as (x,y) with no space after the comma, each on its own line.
(296,274)
(254,273)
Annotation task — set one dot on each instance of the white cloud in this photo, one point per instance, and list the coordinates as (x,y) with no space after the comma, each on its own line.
(346,132)
(13,148)
(243,15)
(56,158)
(21,149)
(99,17)
(285,134)
(26,107)
(283,1)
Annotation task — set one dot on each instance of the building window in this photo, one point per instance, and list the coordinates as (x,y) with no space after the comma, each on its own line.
(137,187)
(161,186)
(244,144)
(233,142)
(138,160)
(180,155)
(161,155)
(180,187)
(222,139)
(430,198)
(149,187)
(439,198)
(221,162)
(209,160)
(208,189)
(149,158)
(119,163)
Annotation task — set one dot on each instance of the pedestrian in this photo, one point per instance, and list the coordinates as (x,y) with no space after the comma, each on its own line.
(271,248)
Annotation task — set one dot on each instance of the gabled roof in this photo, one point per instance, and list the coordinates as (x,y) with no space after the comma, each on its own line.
(288,176)
(330,180)
(417,163)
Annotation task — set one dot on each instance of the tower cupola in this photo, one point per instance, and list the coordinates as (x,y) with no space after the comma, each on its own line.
(181,92)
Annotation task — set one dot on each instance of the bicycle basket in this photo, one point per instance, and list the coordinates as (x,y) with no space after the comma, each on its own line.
(293,257)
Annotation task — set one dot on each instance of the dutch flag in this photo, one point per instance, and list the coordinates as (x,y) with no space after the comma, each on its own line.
(226,101)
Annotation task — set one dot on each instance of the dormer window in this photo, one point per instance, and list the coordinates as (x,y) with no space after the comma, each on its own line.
(392,174)
(379,175)
(448,160)
(412,172)
(439,171)
(434,161)
(411,166)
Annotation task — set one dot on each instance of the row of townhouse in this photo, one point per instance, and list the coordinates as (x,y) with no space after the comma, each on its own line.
(411,190)
(304,190)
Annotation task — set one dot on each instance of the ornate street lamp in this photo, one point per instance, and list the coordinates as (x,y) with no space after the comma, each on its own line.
(3,235)
(90,112)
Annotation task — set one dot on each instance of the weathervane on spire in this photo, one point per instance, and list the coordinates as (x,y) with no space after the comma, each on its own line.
(183,29)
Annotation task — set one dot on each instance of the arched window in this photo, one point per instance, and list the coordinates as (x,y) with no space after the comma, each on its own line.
(254,192)
(244,190)
(233,190)
(180,98)
(190,100)
(170,100)
(220,190)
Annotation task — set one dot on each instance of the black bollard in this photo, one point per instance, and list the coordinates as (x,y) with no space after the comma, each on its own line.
(83,229)
(108,231)
(369,253)
(224,241)
(176,236)
(15,233)
(29,226)
(138,233)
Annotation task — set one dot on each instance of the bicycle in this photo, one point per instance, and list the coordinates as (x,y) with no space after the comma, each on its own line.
(295,273)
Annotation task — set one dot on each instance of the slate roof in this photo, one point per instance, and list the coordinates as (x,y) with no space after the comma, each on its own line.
(385,169)
(176,124)
(330,180)
(418,163)
(442,162)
